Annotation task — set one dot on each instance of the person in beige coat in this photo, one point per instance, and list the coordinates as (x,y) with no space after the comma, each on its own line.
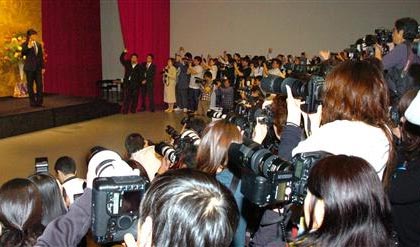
(169,80)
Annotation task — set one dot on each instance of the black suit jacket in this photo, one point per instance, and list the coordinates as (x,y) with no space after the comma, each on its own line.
(33,61)
(132,76)
(149,73)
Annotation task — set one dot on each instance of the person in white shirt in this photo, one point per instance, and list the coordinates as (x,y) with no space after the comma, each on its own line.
(65,168)
(196,72)
(138,149)
(275,69)
(354,116)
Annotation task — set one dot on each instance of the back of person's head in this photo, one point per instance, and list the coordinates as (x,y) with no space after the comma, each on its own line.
(197,124)
(66,165)
(356,90)
(52,200)
(188,55)
(279,108)
(212,152)
(356,211)
(20,213)
(198,59)
(409,26)
(405,101)
(187,208)
(133,143)
(208,75)
(136,165)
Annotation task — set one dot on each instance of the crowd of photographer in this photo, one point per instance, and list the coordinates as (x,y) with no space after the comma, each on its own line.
(301,153)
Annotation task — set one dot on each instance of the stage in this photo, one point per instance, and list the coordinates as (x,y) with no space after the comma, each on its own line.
(17,117)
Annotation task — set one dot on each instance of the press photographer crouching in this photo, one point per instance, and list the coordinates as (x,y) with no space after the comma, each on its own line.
(70,228)
(181,152)
(185,199)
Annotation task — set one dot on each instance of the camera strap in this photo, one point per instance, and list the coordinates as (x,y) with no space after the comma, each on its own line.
(234,184)
(102,166)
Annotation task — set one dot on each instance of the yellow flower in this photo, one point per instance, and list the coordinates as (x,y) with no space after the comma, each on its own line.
(24,57)
(16,54)
(20,38)
(19,48)
(14,40)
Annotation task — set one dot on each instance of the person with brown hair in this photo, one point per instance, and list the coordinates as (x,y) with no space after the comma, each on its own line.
(212,158)
(20,213)
(354,116)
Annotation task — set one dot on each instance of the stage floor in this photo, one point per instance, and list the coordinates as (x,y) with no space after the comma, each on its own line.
(13,106)
(18,117)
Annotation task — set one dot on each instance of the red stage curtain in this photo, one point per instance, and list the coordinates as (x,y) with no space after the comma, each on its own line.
(72,36)
(145,28)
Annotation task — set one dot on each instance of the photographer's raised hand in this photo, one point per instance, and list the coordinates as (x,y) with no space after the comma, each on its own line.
(293,108)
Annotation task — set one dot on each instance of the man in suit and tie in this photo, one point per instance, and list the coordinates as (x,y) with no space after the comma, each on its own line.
(147,84)
(132,80)
(34,67)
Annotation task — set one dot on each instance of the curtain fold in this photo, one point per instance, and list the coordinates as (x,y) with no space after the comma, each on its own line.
(145,26)
(72,38)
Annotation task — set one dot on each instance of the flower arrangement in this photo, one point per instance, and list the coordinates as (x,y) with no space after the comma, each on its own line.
(10,53)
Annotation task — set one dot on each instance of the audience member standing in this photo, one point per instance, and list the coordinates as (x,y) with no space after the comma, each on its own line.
(132,81)
(183,80)
(169,81)
(34,67)
(147,88)
(196,71)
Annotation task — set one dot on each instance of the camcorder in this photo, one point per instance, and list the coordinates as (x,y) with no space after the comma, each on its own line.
(115,207)
(266,178)
(310,91)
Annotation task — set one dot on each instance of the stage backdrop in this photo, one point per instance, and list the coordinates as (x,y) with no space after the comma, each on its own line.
(72,37)
(16,16)
(145,28)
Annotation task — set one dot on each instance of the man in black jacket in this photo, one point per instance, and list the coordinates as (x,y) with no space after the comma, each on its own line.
(34,67)
(132,80)
(149,70)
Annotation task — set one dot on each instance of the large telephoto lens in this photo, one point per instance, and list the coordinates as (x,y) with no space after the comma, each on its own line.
(253,156)
(277,85)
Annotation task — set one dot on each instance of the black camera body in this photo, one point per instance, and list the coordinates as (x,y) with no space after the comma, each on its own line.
(266,178)
(310,91)
(115,205)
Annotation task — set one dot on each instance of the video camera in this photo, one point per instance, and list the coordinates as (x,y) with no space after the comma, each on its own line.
(310,91)
(115,207)
(266,178)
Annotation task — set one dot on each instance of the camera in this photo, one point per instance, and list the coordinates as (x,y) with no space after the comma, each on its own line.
(310,91)
(172,132)
(41,165)
(115,205)
(266,178)
(168,151)
(240,120)
(266,115)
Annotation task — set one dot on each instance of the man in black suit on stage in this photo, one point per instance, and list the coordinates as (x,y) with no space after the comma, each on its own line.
(34,67)
(133,77)
(149,70)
